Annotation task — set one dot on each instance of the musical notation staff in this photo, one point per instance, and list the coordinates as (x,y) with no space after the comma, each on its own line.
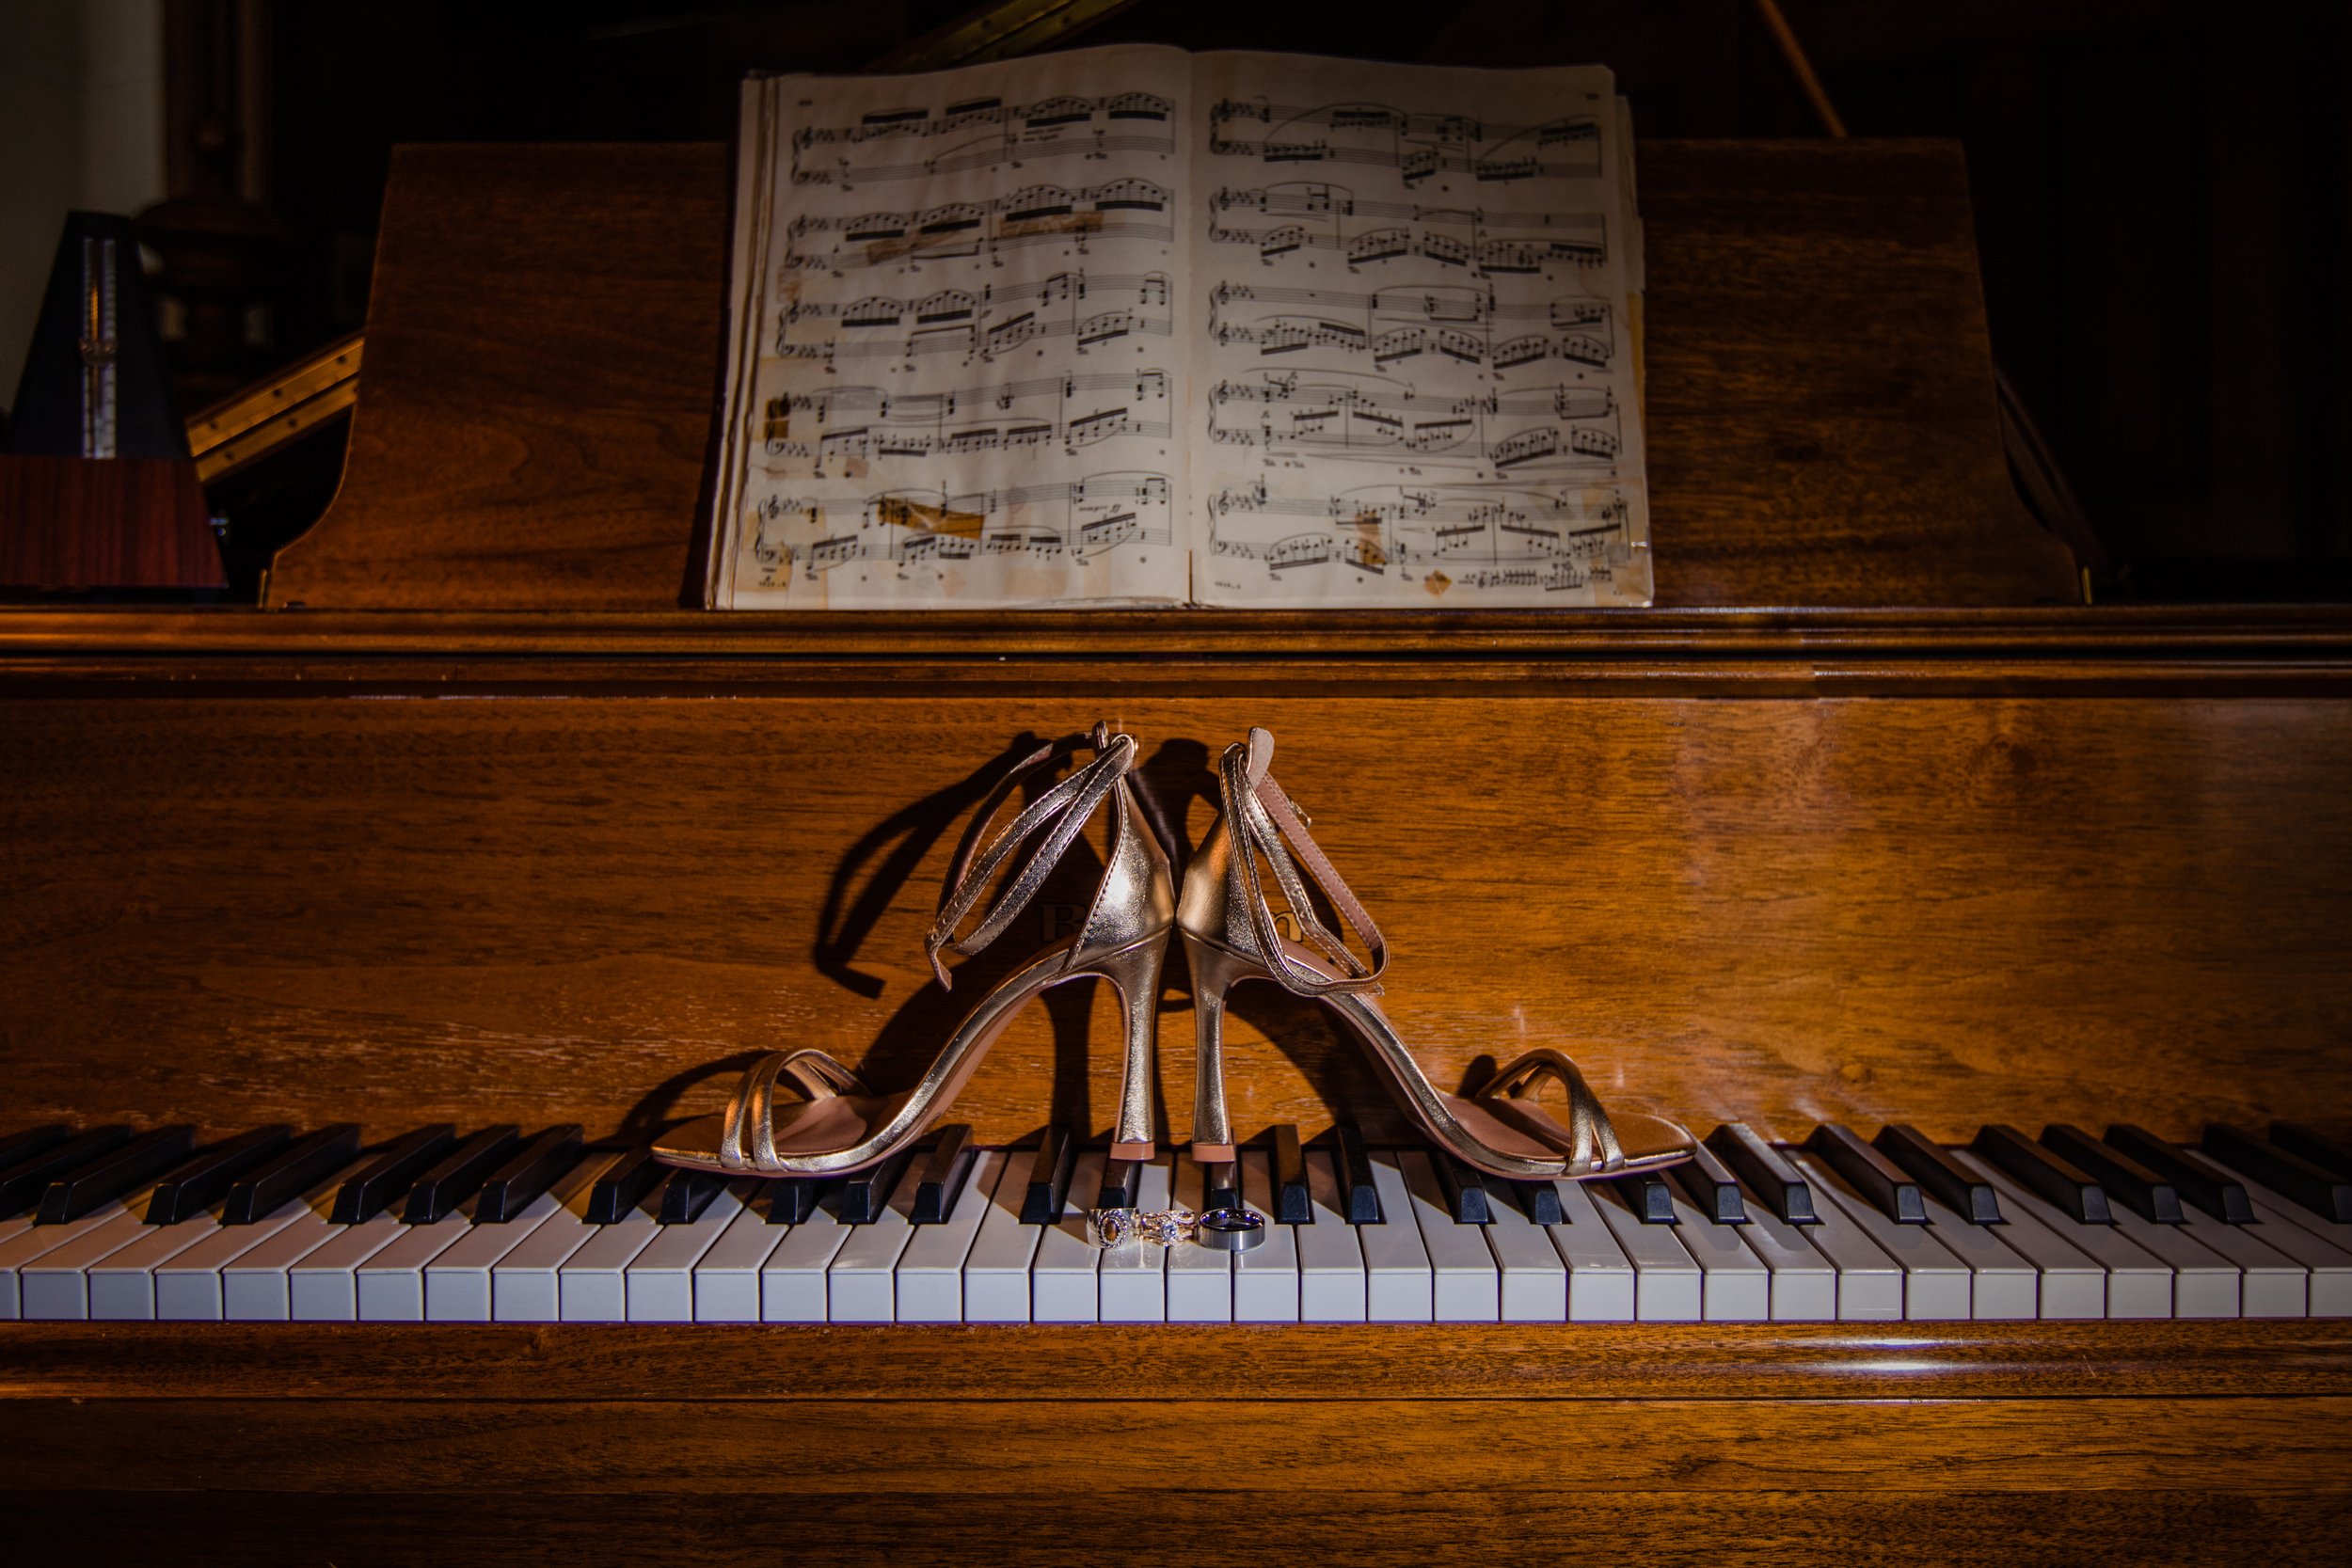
(1040,214)
(1576,241)
(1290,335)
(1450,304)
(1080,519)
(1474,535)
(1417,146)
(1044,413)
(993,137)
(1357,389)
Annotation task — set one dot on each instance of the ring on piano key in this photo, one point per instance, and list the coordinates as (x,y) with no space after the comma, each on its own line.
(1224,1229)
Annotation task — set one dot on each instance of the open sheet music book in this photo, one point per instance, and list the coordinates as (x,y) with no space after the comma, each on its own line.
(1130,325)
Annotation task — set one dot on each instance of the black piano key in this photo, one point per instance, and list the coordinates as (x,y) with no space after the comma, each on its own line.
(2197,1180)
(1879,1180)
(206,1180)
(1360,1200)
(1776,1183)
(1122,1180)
(22,1183)
(460,1173)
(1220,1185)
(2139,1189)
(2075,1192)
(1049,1179)
(793,1200)
(387,1176)
(2299,1180)
(1294,1204)
(527,1174)
(941,1181)
(865,1193)
(310,1160)
(1947,1180)
(1465,1189)
(2295,1138)
(1710,1185)
(116,1173)
(685,1194)
(29,1141)
(1539,1201)
(1646,1194)
(624,1185)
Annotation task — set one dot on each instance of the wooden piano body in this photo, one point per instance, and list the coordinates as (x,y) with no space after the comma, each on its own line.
(1864,823)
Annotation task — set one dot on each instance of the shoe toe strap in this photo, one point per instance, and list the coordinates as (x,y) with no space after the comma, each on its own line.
(751,1110)
(1592,1141)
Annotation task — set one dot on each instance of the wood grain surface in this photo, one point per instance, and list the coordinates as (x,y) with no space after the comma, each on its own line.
(544,332)
(542,351)
(1088,1517)
(401,906)
(724,1365)
(117,522)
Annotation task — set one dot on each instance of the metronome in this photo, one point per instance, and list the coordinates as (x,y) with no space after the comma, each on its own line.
(96,487)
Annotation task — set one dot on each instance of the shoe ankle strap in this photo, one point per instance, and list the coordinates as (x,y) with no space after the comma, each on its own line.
(1263,821)
(1060,813)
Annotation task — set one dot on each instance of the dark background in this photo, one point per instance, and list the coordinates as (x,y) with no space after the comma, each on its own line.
(2161,190)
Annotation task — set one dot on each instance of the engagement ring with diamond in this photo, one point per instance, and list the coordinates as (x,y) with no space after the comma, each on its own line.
(1225,1230)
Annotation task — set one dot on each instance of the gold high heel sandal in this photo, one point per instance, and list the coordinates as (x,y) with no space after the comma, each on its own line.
(841,1125)
(1230,935)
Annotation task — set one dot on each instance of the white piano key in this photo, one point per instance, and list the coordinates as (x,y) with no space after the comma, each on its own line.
(324,1286)
(1265,1279)
(2270,1284)
(2318,1243)
(2203,1284)
(257,1285)
(726,1278)
(32,1243)
(1466,1285)
(391,1283)
(122,1287)
(1398,1286)
(592,1285)
(1870,1283)
(457,1283)
(1534,1280)
(1734,1284)
(1062,1284)
(1602,1284)
(1935,1283)
(997,1269)
(2002,1286)
(1199,1279)
(1132,1277)
(2132,1284)
(189,1287)
(1332,1284)
(659,1283)
(930,1271)
(860,1286)
(525,1284)
(1668,1287)
(56,1284)
(1805,1283)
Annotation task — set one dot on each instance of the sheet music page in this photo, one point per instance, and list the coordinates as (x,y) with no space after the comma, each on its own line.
(956,361)
(1417,358)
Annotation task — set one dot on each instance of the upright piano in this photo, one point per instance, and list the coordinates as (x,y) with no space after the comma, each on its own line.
(1871,824)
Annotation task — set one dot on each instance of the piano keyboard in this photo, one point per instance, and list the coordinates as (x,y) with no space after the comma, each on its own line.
(108,1224)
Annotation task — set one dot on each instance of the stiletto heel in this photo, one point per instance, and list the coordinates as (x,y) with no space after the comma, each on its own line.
(839,1125)
(1231,934)
(1214,972)
(1136,974)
